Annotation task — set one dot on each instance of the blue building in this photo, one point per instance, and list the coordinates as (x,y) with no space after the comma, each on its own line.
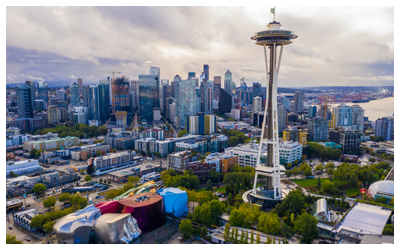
(104,100)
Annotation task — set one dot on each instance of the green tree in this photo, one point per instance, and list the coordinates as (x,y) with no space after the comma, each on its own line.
(306,226)
(32,153)
(12,239)
(246,239)
(88,178)
(38,154)
(12,174)
(236,218)
(269,223)
(113,193)
(388,230)
(327,186)
(209,185)
(48,226)
(258,239)
(237,188)
(186,228)
(133,179)
(101,180)
(39,188)
(308,172)
(252,237)
(227,233)
(182,133)
(293,203)
(236,236)
(319,183)
(64,197)
(49,202)
(372,159)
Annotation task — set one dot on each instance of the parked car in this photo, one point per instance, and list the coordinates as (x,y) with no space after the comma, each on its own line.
(10,228)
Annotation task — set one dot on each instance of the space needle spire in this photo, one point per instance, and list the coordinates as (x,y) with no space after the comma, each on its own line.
(273,39)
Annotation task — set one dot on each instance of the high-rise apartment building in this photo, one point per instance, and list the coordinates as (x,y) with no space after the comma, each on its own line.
(298,101)
(185,100)
(385,127)
(256,89)
(318,129)
(350,140)
(74,92)
(312,111)
(281,117)
(284,101)
(201,124)
(24,101)
(348,118)
(177,79)
(257,104)
(148,96)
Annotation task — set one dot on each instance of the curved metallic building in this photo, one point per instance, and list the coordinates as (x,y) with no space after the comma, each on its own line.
(75,228)
(116,229)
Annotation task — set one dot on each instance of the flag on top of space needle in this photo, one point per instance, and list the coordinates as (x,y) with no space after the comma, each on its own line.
(273,10)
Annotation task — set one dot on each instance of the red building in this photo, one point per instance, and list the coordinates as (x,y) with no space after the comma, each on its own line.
(200,169)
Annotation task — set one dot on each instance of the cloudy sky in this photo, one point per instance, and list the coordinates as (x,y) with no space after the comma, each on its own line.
(336,46)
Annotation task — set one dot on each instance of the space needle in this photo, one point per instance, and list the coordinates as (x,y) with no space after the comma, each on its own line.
(273,39)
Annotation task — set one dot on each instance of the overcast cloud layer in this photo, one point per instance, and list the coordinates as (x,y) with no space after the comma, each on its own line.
(335,45)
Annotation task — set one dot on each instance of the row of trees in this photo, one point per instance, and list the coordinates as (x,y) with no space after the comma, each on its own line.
(78,130)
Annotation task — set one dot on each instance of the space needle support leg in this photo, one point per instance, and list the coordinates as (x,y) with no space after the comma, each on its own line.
(263,125)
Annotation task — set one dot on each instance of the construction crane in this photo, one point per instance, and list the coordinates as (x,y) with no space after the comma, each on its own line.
(112,87)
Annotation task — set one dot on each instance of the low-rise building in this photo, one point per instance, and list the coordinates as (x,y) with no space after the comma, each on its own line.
(19,167)
(289,152)
(125,143)
(199,169)
(112,162)
(247,154)
(51,144)
(178,161)
(223,162)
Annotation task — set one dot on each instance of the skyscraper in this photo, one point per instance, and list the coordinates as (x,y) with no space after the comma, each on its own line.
(225,101)
(135,87)
(148,96)
(207,96)
(80,85)
(298,101)
(228,82)
(272,39)
(312,111)
(216,87)
(24,97)
(74,92)
(156,71)
(167,92)
(122,95)
(43,91)
(177,79)
(256,89)
(281,117)
(31,85)
(61,94)
(104,100)
(206,71)
(285,102)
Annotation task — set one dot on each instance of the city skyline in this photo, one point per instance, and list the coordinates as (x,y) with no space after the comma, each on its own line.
(56,47)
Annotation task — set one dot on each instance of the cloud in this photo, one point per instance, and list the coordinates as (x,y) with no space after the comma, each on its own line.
(361,78)
(181,39)
(32,64)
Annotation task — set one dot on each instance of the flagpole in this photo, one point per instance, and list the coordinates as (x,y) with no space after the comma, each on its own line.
(274,13)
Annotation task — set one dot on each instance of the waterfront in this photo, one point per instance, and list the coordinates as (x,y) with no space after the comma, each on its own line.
(377,108)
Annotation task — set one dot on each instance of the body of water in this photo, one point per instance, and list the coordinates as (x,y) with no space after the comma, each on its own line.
(376,109)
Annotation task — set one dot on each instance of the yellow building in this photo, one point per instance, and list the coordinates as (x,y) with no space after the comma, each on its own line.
(120,117)
(227,162)
(303,139)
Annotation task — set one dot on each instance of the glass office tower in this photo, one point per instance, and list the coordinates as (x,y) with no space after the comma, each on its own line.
(148,96)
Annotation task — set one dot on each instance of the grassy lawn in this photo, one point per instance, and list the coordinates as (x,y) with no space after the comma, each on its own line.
(308,182)
(352,192)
